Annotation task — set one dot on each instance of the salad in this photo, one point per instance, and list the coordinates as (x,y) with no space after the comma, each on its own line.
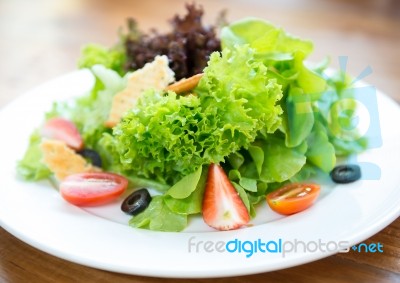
(214,120)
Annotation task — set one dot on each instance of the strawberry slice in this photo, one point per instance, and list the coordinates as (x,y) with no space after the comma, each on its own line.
(63,130)
(223,209)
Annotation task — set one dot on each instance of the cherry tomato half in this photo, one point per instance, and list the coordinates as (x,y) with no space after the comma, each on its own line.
(293,198)
(91,189)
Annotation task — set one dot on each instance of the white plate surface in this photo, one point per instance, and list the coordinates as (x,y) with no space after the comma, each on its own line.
(101,238)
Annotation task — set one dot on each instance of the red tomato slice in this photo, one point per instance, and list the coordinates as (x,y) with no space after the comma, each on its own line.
(293,198)
(91,189)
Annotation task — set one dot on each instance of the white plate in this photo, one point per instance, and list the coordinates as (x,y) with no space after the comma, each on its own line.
(101,238)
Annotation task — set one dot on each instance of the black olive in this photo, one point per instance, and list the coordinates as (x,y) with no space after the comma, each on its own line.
(136,202)
(344,174)
(92,155)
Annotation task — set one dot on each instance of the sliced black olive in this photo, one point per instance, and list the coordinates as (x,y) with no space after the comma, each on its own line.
(344,174)
(92,155)
(136,202)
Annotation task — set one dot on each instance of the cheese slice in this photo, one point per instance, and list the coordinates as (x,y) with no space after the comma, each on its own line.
(62,160)
(156,75)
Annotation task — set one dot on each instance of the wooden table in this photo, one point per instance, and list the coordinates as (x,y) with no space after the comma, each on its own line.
(40,40)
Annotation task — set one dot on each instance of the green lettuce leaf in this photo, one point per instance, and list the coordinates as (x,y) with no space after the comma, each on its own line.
(306,172)
(236,159)
(183,188)
(311,82)
(159,217)
(243,196)
(299,117)
(193,203)
(90,112)
(336,111)
(280,162)
(30,166)
(264,37)
(94,54)
(248,184)
(320,151)
(257,155)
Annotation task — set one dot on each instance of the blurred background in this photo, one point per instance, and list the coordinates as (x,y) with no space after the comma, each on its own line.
(41,39)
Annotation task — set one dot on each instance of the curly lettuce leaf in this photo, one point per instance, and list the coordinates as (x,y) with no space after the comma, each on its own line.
(283,55)
(167,137)
(235,75)
(157,140)
(106,147)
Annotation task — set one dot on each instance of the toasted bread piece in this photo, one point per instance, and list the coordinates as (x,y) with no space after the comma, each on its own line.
(184,85)
(63,161)
(156,75)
